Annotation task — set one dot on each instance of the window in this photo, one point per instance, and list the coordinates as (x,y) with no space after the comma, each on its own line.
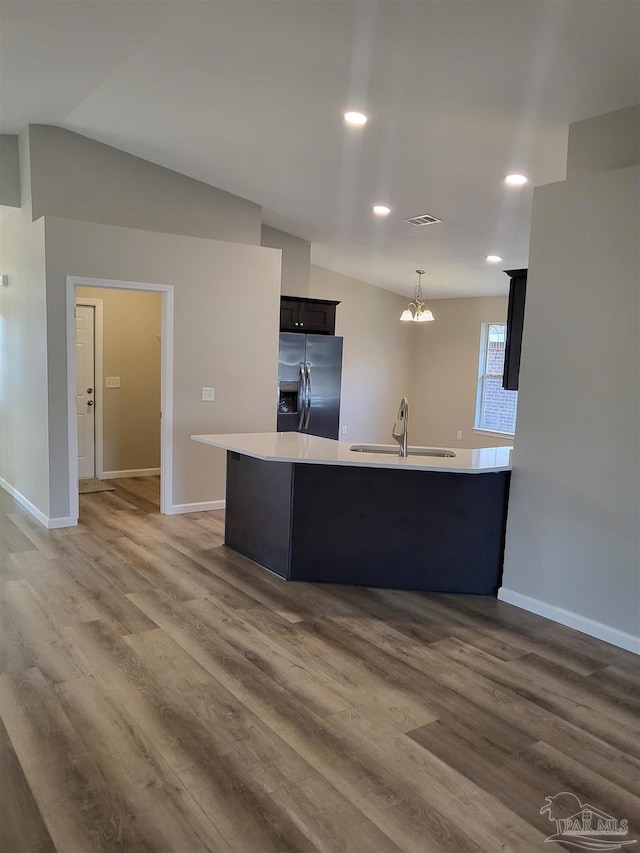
(496,409)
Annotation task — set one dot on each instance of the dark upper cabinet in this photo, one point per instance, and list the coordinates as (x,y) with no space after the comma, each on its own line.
(515,323)
(317,316)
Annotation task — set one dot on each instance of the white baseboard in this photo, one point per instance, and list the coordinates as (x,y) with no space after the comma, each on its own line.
(26,503)
(129,472)
(62,521)
(571,620)
(49,523)
(202,506)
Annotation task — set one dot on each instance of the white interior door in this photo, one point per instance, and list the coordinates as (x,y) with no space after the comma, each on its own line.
(85,388)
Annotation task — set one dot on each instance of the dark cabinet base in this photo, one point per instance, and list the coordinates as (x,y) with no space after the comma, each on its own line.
(378,527)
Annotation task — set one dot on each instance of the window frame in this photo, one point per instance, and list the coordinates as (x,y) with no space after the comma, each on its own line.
(481,381)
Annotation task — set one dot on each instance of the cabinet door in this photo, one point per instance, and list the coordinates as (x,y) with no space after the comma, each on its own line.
(515,325)
(288,315)
(317,317)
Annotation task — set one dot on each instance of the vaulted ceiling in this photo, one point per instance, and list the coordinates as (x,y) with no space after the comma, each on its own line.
(249,96)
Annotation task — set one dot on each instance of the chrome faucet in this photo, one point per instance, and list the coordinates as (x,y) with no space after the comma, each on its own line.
(402,436)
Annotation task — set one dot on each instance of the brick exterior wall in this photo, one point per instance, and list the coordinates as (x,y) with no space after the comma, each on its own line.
(500,407)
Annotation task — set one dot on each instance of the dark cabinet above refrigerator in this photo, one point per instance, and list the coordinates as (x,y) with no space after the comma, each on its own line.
(317,316)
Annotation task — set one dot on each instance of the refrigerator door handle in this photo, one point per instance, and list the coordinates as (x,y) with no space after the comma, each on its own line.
(308,411)
(302,395)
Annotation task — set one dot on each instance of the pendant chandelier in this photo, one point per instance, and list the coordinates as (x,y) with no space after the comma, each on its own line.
(417,311)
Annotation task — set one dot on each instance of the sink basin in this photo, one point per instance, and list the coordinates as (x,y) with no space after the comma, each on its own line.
(390,450)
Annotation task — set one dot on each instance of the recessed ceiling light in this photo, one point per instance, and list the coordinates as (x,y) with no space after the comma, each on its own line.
(355,118)
(493,259)
(381,210)
(516,180)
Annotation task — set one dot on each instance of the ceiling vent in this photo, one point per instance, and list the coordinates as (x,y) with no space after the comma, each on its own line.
(424,219)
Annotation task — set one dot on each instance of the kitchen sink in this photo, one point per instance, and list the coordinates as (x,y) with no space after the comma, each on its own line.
(389,450)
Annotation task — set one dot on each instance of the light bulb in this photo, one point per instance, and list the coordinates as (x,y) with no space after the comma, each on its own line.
(355,118)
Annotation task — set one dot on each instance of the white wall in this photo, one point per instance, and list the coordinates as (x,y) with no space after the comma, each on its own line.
(573,541)
(217,341)
(24,444)
(296,260)
(376,359)
(24,438)
(78,178)
(9,170)
(445,372)
(605,142)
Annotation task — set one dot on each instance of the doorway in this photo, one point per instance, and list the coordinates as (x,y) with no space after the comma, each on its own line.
(89,325)
(127,383)
(82,421)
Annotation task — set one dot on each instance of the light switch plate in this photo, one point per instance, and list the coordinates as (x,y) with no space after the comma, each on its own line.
(111,381)
(208,395)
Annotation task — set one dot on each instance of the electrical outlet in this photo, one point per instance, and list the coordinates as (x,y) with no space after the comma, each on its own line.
(111,381)
(459,435)
(344,429)
(208,395)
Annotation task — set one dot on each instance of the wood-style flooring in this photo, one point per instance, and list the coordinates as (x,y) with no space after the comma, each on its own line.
(158,692)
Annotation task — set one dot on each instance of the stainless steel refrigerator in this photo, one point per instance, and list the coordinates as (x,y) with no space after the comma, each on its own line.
(309,377)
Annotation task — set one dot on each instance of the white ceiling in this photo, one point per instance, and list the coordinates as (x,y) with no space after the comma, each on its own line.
(248,96)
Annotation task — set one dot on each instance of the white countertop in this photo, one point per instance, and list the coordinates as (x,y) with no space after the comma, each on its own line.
(295,447)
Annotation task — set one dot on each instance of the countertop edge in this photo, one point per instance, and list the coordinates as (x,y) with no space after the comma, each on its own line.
(361,460)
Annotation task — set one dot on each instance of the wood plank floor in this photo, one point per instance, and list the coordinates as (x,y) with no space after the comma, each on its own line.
(158,692)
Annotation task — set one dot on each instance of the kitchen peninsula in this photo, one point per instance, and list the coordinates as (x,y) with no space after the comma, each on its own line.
(313,509)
